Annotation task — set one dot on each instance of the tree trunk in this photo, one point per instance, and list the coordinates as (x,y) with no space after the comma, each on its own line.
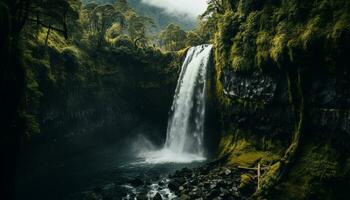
(47,36)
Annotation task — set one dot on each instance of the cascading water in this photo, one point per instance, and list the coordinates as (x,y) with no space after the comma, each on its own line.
(186,123)
(184,142)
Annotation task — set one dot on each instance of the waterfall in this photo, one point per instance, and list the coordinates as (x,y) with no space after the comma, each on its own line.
(184,141)
(186,122)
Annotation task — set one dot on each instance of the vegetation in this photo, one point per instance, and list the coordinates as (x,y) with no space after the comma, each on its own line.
(46,52)
(62,56)
(290,39)
(161,18)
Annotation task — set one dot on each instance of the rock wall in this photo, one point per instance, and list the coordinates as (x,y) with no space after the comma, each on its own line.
(282,87)
(75,102)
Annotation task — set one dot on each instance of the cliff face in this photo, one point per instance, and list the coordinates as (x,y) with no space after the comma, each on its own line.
(283,80)
(113,93)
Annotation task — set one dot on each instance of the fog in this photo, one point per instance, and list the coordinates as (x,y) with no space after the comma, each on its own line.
(192,8)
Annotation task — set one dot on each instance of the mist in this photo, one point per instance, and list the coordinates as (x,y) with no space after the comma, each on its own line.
(191,8)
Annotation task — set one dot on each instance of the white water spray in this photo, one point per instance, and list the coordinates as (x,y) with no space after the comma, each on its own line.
(184,141)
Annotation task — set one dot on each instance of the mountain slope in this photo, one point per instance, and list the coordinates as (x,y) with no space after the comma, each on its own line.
(160,17)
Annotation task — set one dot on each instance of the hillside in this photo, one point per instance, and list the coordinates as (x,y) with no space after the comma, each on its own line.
(160,17)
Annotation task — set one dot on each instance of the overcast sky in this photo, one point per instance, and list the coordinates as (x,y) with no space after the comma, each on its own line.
(191,7)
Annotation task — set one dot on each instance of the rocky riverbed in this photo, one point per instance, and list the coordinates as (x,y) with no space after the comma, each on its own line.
(211,181)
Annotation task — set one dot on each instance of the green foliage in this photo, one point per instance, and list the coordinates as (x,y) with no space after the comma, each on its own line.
(284,38)
(161,18)
(103,24)
(277,32)
(57,15)
(125,63)
(137,28)
(193,39)
(173,38)
(317,166)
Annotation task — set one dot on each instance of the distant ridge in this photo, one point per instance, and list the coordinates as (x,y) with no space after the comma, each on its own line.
(160,17)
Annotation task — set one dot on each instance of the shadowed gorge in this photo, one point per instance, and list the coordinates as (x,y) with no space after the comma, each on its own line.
(145,100)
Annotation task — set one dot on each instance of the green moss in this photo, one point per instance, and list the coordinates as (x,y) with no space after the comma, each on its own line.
(316,166)
(244,150)
(278,47)
(245,154)
(247,183)
(55,40)
(288,37)
(263,46)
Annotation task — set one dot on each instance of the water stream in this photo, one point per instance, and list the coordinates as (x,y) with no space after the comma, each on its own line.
(184,141)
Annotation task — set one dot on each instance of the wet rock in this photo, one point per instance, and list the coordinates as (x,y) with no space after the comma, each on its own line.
(204,170)
(137,182)
(193,182)
(223,191)
(213,193)
(161,183)
(187,185)
(123,193)
(221,183)
(93,196)
(98,190)
(174,185)
(157,197)
(185,197)
(186,172)
(148,182)
(180,180)
(142,196)
(227,172)
(194,194)
(249,87)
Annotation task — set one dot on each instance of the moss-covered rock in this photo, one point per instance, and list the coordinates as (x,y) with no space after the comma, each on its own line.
(299,47)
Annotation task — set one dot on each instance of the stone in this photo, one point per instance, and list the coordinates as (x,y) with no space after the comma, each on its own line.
(184,197)
(98,190)
(173,186)
(213,193)
(180,180)
(161,183)
(136,182)
(157,197)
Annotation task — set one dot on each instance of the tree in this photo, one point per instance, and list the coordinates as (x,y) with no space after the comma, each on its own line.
(14,14)
(173,38)
(193,39)
(96,20)
(113,32)
(104,17)
(122,5)
(214,6)
(207,28)
(54,14)
(137,26)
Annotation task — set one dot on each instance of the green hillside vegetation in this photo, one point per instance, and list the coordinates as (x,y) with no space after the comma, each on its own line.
(298,40)
(160,17)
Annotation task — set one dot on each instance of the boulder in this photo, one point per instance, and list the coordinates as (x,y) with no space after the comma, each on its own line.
(136,182)
(157,197)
